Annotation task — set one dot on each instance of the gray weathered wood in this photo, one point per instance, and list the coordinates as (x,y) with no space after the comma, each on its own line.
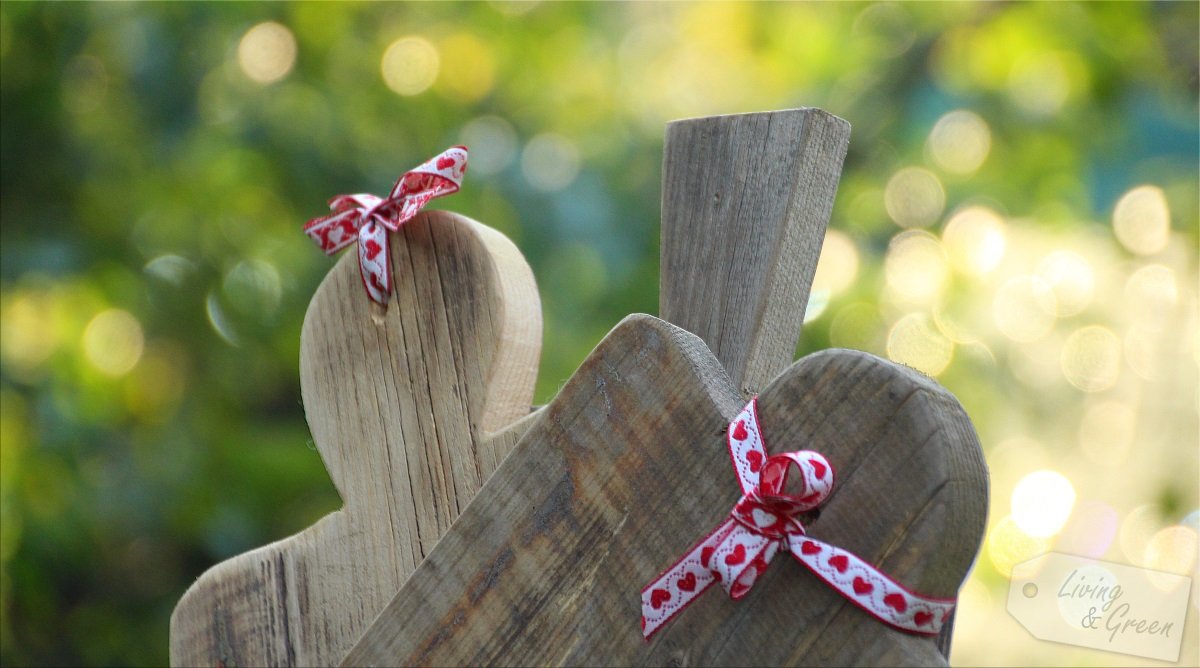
(626,468)
(408,409)
(746,199)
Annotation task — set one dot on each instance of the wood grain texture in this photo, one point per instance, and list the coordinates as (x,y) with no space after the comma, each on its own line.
(627,468)
(746,199)
(405,411)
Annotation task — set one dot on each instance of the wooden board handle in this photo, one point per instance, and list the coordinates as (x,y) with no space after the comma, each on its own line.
(411,409)
(746,199)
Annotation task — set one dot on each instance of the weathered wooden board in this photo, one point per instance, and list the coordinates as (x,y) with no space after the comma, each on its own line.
(404,407)
(746,199)
(803,152)
(627,468)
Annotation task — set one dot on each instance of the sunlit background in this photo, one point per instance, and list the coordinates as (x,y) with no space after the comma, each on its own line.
(1017,218)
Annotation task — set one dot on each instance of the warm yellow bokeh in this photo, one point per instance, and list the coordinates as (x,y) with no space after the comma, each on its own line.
(1151,296)
(916,342)
(1091,358)
(267,52)
(1042,502)
(960,141)
(1172,550)
(915,267)
(914,197)
(410,65)
(975,240)
(1138,527)
(27,332)
(1039,83)
(113,342)
(1069,276)
(1142,220)
(467,67)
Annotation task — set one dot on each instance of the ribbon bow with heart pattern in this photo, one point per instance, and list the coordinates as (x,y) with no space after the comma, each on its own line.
(368,219)
(737,552)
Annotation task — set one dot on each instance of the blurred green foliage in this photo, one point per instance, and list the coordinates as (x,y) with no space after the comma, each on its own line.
(157,163)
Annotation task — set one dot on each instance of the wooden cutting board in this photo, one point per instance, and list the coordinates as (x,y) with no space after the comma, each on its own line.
(411,410)
(627,468)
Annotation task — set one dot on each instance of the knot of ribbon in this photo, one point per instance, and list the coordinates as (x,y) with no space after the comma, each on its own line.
(764,521)
(367,219)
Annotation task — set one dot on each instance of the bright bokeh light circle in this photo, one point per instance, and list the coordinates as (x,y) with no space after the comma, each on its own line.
(974,239)
(267,52)
(914,197)
(1142,220)
(960,141)
(1039,82)
(1151,296)
(1137,528)
(113,342)
(1042,502)
(1171,550)
(410,65)
(1091,358)
(915,266)
(914,341)
(1070,278)
(27,332)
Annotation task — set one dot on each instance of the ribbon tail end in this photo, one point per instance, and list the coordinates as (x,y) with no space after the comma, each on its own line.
(374,264)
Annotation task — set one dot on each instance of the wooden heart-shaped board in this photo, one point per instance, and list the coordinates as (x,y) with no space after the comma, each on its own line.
(411,410)
(627,468)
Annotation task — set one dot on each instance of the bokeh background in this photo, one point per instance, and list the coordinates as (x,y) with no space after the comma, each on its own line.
(1017,218)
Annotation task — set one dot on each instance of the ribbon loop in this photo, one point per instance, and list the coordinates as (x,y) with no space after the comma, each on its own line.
(367,218)
(816,480)
(740,559)
(764,521)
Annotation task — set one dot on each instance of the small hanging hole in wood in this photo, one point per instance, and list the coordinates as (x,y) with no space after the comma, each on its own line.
(378,313)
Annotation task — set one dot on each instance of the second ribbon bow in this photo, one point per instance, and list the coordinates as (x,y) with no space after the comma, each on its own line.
(762,522)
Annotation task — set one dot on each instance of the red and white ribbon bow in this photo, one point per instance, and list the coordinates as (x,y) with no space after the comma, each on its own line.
(368,219)
(737,552)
